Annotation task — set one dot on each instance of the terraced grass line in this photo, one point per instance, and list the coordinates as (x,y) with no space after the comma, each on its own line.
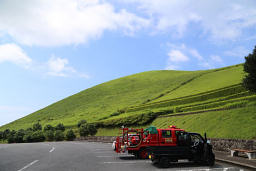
(217,104)
(193,98)
(195,112)
(210,81)
(175,88)
(235,123)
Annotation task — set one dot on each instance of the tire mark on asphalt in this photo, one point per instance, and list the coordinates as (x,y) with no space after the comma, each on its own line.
(28,165)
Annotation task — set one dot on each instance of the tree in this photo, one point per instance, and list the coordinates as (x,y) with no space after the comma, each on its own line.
(249,81)
(92,129)
(49,135)
(70,136)
(28,136)
(6,133)
(1,135)
(10,138)
(81,122)
(60,127)
(83,130)
(48,127)
(37,127)
(29,129)
(59,135)
(18,137)
(38,136)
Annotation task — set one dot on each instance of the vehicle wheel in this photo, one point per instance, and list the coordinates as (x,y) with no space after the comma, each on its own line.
(164,162)
(211,160)
(136,155)
(143,154)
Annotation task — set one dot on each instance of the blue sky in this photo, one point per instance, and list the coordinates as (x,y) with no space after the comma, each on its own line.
(52,49)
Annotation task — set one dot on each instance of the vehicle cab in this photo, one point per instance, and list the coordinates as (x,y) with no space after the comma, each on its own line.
(168,137)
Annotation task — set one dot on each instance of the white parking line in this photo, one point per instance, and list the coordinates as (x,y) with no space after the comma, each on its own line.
(52,149)
(213,169)
(28,165)
(119,162)
(103,152)
(130,162)
(104,156)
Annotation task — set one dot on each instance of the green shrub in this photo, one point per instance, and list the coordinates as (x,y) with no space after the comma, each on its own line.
(70,136)
(29,129)
(60,127)
(177,109)
(18,137)
(81,122)
(59,135)
(92,129)
(6,133)
(37,127)
(38,136)
(10,139)
(138,119)
(115,114)
(48,127)
(49,135)
(1,135)
(28,137)
(83,130)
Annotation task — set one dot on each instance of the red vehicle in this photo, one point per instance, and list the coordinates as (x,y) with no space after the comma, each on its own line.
(137,141)
(164,146)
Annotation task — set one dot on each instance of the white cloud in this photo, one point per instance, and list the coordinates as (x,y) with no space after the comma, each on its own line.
(191,52)
(63,22)
(206,65)
(177,56)
(216,58)
(222,19)
(14,54)
(171,67)
(212,62)
(57,66)
(181,54)
(196,54)
(239,51)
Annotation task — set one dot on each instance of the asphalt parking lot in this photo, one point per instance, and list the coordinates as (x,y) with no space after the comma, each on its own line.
(84,156)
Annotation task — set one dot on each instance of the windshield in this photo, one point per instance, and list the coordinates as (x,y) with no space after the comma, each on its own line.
(196,138)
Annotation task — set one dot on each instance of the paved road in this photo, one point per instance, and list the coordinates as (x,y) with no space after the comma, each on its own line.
(84,156)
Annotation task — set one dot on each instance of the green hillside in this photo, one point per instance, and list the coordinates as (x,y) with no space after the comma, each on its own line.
(140,98)
(102,100)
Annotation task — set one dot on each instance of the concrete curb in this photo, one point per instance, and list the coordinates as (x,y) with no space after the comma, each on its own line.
(236,163)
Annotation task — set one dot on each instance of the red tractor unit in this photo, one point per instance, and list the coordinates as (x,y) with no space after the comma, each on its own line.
(164,145)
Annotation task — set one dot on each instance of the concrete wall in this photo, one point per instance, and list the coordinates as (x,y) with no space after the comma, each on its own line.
(105,139)
(227,144)
(218,144)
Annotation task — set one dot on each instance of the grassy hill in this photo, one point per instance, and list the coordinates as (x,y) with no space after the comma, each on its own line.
(141,98)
